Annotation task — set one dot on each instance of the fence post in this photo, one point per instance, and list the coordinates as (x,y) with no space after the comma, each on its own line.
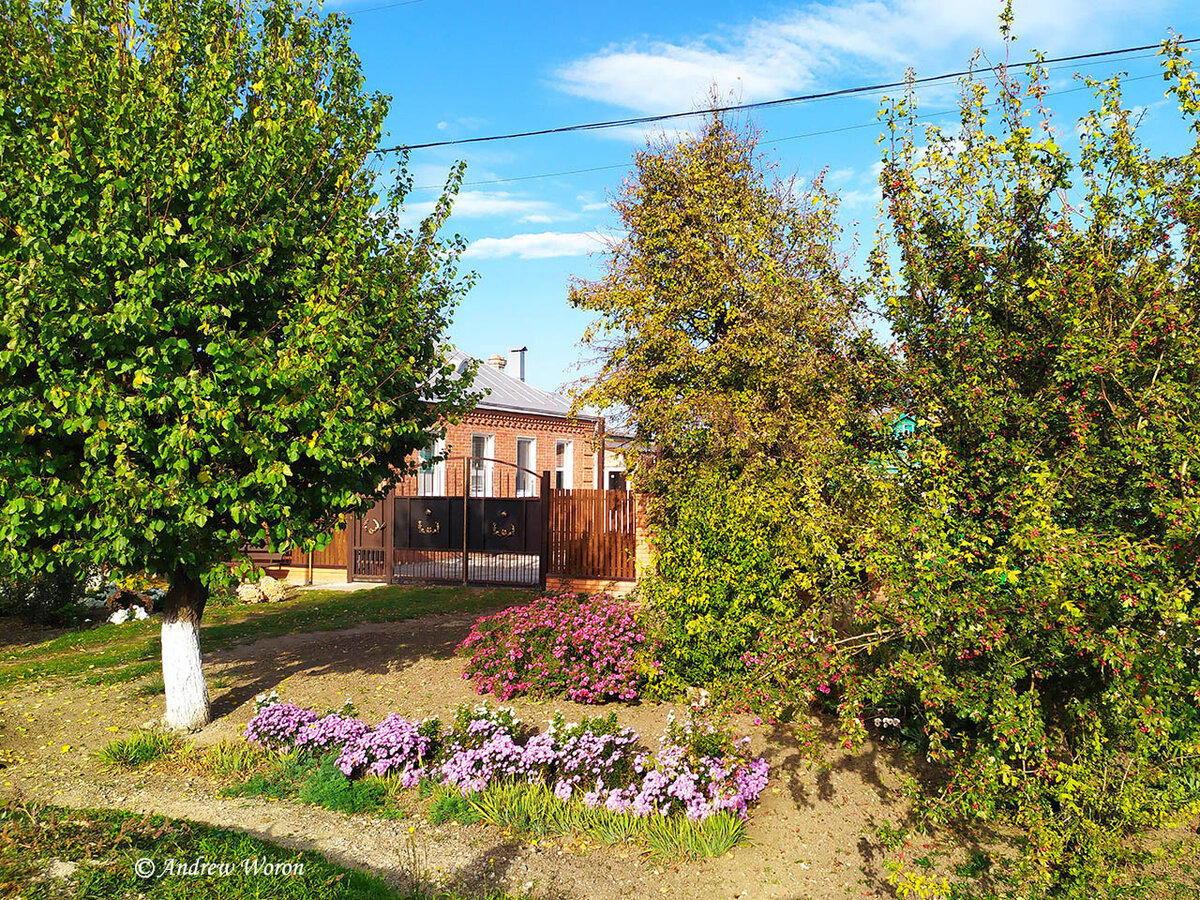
(544,556)
(466,558)
(351,530)
(389,537)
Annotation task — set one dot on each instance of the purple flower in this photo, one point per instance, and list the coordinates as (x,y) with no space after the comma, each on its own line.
(276,726)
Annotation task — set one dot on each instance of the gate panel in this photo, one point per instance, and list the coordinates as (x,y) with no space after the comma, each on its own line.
(369,541)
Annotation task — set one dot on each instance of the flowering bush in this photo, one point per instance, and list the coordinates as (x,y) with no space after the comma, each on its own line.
(697,772)
(335,730)
(278,725)
(394,745)
(583,647)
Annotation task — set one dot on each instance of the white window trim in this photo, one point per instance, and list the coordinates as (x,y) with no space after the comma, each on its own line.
(568,466)
(530,481)
(489,450)
(437,483)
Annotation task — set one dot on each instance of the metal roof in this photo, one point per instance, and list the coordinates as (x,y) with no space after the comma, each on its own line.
(501,391)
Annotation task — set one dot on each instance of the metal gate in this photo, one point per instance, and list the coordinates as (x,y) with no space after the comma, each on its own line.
(467,519)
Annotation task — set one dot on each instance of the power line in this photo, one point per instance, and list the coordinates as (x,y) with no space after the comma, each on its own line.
(764,104)
(792,137)
(355,12)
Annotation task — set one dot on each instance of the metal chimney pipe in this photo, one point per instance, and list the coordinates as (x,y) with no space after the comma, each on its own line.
(518,361)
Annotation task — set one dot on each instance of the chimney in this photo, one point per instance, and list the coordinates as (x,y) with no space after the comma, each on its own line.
(496,361)
(516,356)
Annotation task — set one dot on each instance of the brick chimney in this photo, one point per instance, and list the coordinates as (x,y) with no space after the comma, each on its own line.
(496,361)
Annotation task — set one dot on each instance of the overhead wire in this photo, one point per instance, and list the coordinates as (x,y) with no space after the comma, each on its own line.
(766,104)
(806,134)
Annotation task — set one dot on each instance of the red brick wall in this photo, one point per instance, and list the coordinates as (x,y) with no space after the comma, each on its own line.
(545,430)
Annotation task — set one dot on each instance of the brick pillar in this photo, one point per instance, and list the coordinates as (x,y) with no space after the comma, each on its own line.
(643,554)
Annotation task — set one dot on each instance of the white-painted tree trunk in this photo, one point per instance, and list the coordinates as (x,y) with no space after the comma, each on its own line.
(183,675)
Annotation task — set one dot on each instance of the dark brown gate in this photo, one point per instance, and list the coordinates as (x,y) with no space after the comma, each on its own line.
(468,520)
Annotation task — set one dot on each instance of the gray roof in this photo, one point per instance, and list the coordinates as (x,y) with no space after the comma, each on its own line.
(503,392)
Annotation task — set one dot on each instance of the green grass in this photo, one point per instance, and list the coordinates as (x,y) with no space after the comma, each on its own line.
(139,749)
(534,809)
(105,845)
(319,782)
(112,654)
(450,806)
(232,758)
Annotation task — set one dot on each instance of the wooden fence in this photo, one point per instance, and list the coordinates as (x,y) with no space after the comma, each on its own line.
(592,534)
(333,556)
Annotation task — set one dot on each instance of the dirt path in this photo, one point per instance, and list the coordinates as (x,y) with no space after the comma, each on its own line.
(807,831)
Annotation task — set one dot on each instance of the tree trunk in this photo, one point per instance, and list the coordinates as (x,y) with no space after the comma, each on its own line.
(183,676)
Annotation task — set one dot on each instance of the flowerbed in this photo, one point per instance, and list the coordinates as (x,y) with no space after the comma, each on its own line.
(586,648)
(698,771)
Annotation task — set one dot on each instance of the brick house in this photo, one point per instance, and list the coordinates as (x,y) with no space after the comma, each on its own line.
(513,422)
(520,424)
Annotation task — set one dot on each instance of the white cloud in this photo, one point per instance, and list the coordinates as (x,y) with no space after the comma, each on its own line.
(765,59)
(484,204)
(545,245)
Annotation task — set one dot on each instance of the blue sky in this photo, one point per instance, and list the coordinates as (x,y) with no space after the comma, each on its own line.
(462,69)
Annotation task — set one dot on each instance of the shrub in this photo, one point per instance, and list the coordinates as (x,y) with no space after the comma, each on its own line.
(736,553)
(585,648)
(328,786)
(52,599)
(278,725)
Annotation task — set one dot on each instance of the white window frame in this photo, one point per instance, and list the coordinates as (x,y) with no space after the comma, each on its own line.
(567,469)
(431,479)
(527,484)
(486,466)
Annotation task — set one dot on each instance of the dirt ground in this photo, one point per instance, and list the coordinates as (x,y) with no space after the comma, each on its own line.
(811,834)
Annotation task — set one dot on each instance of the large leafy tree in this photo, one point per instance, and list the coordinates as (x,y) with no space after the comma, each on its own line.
(728,328)
(1039,622)
(215,331)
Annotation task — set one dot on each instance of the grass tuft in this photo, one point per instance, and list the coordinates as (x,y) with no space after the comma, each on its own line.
(534,809)
(139,749)
(671,838)
(232,758)
(451,806)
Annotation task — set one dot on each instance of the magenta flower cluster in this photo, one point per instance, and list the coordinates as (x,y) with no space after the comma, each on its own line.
(278,725)
(334,730)
(697,772)
(585,648)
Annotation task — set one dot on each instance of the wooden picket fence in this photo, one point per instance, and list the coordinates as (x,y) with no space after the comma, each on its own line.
(592,534)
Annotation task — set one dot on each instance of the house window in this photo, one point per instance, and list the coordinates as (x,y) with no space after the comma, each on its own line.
(431,477)
(527,483)
(482,450)
(564,455)
(616,480)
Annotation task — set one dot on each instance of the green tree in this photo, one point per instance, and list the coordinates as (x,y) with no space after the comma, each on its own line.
(1038,623)
(728,329)
(215,331)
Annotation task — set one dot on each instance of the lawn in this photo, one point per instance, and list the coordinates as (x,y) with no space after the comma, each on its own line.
(88,854)
(110,654)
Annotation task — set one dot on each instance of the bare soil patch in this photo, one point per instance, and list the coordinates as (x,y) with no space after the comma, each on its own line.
(811,833)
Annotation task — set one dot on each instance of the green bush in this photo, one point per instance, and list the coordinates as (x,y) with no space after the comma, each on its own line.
(52,599)
(327,786)
(733,556)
